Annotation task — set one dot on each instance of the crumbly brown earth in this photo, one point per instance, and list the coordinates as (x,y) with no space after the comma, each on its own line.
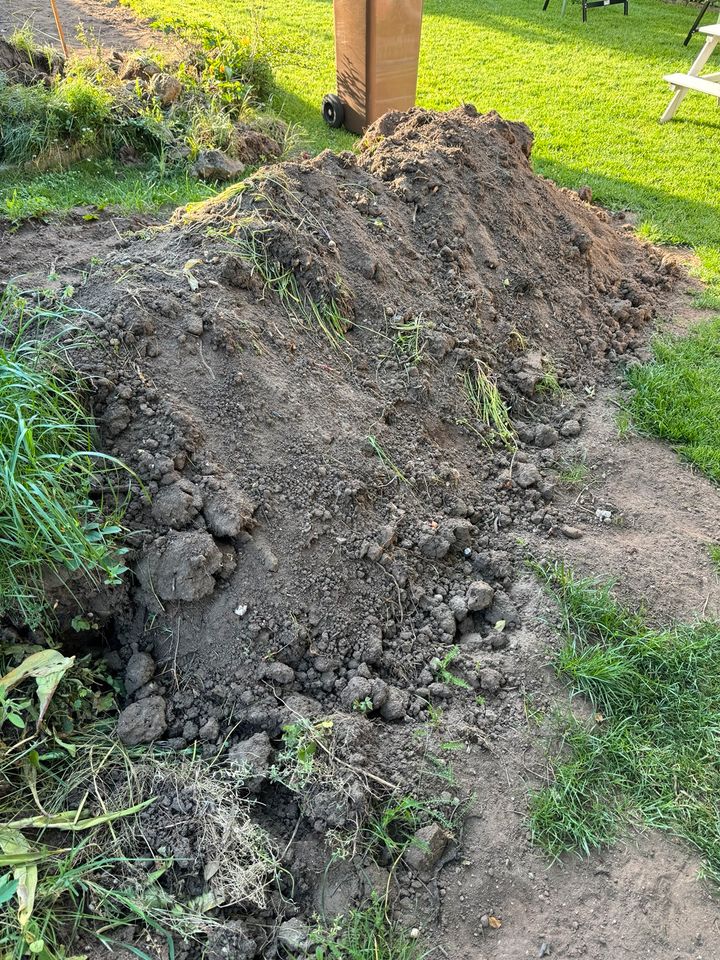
(103,21)
(329,517)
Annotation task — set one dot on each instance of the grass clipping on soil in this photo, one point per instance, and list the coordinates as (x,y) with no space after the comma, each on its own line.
(649,756)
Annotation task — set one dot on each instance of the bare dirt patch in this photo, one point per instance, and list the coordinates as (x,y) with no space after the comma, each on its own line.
(297,371)
(114,26)
(663,517)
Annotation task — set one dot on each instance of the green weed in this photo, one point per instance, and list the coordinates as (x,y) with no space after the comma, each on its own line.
(233,66)
(548,384)
(441,769)
(407,340)
(302,756)
(445,673)
(53,516)
(574,474)
(363,706)
(394,826)
(365,934)
(677,396)
(386,459)
(649,757)
(714,552)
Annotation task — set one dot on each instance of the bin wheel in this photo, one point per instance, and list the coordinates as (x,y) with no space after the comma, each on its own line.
(333,110)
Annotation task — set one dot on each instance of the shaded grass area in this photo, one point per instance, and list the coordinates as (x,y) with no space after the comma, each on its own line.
(649,756)
(677,396)
(592,93)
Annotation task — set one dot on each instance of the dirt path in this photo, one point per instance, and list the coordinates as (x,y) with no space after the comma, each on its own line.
(643,898)
(664,516)
(114,26)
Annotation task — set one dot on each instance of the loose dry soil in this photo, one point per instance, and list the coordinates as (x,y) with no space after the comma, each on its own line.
(115,27)
(328,517)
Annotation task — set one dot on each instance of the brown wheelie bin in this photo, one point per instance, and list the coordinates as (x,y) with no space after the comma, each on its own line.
(377,45)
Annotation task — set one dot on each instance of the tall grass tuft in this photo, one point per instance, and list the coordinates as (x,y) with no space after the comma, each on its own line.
(53,516)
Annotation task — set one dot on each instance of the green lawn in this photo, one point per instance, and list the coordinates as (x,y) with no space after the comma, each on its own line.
(592,93)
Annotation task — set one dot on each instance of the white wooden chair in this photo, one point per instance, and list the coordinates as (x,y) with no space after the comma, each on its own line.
(683,83)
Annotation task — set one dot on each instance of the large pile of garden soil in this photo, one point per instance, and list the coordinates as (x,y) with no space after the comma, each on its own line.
(286,368)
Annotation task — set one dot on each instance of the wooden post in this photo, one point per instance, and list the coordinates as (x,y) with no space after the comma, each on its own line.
(59,28)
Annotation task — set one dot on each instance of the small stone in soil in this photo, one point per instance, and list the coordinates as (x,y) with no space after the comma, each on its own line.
(139,671)
(479,595)
(294,935)
(252,758)
(526,475)
(426,848)
(142,722)
(571,428)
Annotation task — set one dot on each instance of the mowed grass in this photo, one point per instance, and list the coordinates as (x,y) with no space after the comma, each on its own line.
(677,396)
(592,93)
(649,756)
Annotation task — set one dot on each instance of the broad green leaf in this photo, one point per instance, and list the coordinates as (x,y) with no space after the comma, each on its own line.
(13,843)
(8,886)
(48,667)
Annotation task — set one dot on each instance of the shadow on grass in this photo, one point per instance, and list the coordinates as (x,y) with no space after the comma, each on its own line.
(316,135)
(668,218)
(655,29)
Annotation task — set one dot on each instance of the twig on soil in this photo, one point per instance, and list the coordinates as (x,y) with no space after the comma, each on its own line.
(204,361)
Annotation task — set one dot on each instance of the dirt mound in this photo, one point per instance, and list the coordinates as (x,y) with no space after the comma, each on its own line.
(346,386)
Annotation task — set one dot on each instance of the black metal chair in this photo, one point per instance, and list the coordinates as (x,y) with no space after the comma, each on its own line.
(698,20)
(587,4)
